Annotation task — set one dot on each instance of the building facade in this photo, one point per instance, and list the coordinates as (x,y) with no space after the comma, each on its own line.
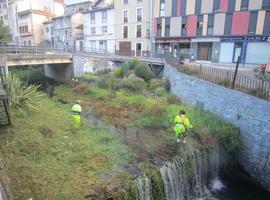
(48,33)
(25,18)
(99,30)
(213,30)
(132,30)
(4,12)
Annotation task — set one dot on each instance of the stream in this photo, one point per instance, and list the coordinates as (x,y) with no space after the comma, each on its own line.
(194,175)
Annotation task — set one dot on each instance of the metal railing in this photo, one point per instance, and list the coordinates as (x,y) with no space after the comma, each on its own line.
(243,83)
(4,111)
(13,50)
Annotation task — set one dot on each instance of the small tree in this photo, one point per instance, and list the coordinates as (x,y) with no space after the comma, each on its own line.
(4,33)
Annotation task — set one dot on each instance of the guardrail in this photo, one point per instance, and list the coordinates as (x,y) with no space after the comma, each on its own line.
(243,83)
(37,50)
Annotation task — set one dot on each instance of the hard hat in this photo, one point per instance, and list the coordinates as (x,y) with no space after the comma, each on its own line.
(78,101)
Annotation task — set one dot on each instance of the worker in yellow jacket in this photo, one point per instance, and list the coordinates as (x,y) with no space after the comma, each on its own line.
(182,124)
(76,110)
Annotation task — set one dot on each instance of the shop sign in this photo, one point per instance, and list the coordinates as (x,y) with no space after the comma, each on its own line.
(246,38)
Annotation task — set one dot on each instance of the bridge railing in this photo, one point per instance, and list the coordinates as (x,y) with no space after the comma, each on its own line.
(38,50)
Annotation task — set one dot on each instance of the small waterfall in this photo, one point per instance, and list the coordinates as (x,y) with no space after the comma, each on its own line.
(144,188)
(187,177)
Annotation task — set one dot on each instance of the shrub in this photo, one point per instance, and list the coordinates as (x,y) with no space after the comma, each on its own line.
(144,72)
(134,84)
(81,89)
(155,83)
(134,63)
(22,96)
(167,84)
(160,92)
(118,72)
(99,94)
(33,76)
(90,77)
(124,69)
(114,83)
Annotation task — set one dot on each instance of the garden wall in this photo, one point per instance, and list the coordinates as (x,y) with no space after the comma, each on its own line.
(250,114)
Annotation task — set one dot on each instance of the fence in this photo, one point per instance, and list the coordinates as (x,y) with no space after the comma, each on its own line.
(4,111)
(243,83)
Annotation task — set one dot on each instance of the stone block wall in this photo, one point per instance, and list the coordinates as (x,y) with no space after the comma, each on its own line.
(250,114)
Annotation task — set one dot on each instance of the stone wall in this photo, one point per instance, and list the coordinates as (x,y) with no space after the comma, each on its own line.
(250,114)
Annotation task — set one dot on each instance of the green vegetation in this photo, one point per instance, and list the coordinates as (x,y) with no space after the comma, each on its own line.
(5,35)
(144,72)
(46,158)
(22,97)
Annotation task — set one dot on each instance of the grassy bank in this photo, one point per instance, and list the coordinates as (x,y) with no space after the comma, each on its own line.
(45,158)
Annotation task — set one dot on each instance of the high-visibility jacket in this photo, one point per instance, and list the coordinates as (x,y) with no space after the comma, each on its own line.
(77,109)
(181,124)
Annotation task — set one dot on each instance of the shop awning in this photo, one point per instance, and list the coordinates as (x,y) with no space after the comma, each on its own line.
(170,40)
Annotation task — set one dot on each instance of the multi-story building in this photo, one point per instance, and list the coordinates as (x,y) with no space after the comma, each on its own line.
(48,33)
(26,18)
(75,7)
(132,30)
(67,29)
(99,28)
(213,30)
(4,12)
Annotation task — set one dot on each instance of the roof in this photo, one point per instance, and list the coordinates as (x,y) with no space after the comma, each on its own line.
(99,9)
(47,22)
(39,12)
(85,2)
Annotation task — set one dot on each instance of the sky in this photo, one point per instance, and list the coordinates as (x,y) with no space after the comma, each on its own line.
(67,2)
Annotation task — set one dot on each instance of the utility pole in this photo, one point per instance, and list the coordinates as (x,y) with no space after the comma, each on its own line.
(235,72)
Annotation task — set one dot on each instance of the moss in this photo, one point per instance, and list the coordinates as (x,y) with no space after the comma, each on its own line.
(153,173)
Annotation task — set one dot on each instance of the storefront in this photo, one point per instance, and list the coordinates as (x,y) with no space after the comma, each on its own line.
(252,49)
(175,46)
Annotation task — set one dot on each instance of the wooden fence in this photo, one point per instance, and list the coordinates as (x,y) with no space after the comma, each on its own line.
(243,83)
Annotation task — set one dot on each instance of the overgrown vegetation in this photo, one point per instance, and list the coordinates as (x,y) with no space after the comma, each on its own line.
(46,158)
(5,35)
(22,96)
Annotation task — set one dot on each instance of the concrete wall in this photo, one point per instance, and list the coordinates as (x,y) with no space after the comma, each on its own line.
(248,113)
(59,72)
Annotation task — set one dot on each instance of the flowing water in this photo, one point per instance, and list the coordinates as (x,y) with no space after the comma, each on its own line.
(195,176)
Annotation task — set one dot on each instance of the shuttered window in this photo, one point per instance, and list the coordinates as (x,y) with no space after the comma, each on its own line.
(228,24)
(253,22)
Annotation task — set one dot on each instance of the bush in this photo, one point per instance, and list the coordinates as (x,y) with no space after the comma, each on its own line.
(114,83)
(99,94)
(90,77)
(33,76)
(155,83)
(22,96)
(118,72)
(134,84)
(81,88)
(167,84)
(124,69)
(144,72)
(172,99)
(160,92)
(134,63)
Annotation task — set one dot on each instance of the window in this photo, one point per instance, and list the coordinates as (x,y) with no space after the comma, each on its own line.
(216,5)
(93,45)
(125,1)
(244,4)
(210,25)
(104,17)
(139,31)
(267,23)
(5,6)
(200,25)
(159,27)
(66,32)
(93,31)
(184,26)
(125,32)
(198,6)
(162,8)
(92,18)
(139,14)
(6,17)
(167,27)
(104,29)
(23,29)
(125,16)
(252,22)
(266,4)
(47,29)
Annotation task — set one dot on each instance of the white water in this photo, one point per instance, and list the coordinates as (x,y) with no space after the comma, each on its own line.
(144,188)
(186,178)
